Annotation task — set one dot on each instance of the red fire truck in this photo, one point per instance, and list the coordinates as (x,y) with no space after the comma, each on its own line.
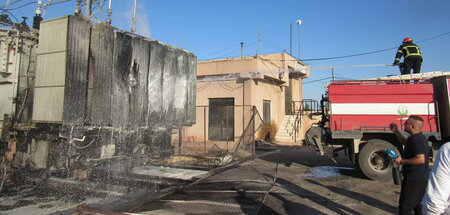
(356,117)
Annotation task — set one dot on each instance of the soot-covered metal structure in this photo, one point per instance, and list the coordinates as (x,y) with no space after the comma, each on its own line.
(98,94)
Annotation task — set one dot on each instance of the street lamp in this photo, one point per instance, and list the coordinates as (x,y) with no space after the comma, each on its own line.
(299,22)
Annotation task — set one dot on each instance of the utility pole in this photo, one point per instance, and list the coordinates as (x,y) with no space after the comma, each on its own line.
(290,41)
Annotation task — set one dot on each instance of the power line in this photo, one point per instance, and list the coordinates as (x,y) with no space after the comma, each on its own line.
(433,37)
(11,3)
(272,44)
(346,56)
(34,2)
(372,52)
(232,51)
(230,47)
(223,87)
(200,88)
(233,88)
(346,66)
(17,20)
(322,79)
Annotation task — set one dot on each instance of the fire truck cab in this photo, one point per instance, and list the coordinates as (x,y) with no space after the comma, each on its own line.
(356,116)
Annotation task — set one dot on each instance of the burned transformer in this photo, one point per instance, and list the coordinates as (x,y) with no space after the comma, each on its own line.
(78,95)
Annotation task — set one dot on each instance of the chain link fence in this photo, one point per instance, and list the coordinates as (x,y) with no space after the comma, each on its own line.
(224,131)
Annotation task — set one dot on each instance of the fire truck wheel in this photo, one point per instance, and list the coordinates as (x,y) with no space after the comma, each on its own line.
(374,162)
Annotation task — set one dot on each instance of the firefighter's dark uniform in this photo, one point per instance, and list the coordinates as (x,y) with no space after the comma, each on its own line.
(412,57)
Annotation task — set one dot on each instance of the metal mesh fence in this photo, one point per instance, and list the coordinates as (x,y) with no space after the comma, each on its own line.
(226,131)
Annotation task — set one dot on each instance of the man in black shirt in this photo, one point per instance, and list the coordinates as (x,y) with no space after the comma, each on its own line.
(414,163)
(412,57)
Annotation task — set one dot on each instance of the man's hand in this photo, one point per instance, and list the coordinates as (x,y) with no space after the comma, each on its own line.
(393,127)
(398,160)
(395,64)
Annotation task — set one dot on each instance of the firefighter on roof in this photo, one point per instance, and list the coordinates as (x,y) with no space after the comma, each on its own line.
(412,57)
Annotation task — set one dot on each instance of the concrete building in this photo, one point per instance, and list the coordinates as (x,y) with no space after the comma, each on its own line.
(228,89)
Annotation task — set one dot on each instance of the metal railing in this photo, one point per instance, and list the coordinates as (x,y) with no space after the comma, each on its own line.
(301,108)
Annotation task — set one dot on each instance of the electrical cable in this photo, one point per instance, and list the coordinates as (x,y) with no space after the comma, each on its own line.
(17,20)
(27,90)
(87,145)
(203,87)
(237,50)
(272,44)
(277,72)
(346,56)
(11,3)
(228,86)
(346,66)
(372,52)
(322,79)
(433,37)
(230,47)
(223,86)
(34,2)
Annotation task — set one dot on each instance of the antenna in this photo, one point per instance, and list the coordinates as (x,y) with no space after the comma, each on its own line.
(290,42)
(259,39)
(299,22)
(332,74)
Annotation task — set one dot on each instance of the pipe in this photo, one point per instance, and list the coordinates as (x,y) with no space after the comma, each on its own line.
(242,50)
(133,22)
(27,90)
(16,77)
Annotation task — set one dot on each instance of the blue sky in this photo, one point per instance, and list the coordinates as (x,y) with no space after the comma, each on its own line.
(214,29)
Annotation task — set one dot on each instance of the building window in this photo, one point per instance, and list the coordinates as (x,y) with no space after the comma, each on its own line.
(221,119)
(266,112)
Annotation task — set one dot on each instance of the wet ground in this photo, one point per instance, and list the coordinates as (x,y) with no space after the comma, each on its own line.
(305,184)
(316,185)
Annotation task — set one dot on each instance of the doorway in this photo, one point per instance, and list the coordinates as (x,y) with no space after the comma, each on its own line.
(221,119)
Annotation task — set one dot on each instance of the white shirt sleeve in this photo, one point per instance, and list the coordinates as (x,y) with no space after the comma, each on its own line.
(437,197)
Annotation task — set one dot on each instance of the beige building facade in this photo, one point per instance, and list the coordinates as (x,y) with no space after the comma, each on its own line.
(230,90)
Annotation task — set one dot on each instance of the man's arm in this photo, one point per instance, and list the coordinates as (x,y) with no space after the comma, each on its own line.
(398,55)
(417,160)
(437,196)
(398,135)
